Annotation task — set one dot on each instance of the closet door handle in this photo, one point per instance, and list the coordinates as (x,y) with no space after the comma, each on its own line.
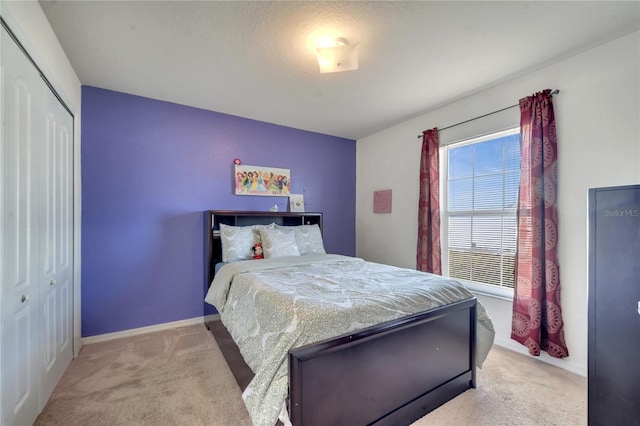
(24,298)
(52,282)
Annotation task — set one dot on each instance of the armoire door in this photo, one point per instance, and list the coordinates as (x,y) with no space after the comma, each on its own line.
(36,249)
(614,306)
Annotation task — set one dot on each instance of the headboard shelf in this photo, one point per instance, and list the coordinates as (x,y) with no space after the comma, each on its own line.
(213,219)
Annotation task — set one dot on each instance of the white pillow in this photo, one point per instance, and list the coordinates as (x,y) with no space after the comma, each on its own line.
(308,238)
(238,241)
(278,243)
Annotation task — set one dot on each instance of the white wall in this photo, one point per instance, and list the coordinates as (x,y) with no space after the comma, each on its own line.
(28,22)
(598,122)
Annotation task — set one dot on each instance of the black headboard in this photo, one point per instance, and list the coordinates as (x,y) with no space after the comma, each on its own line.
(213,219)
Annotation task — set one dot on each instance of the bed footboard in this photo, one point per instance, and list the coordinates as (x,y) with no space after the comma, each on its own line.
(390,374)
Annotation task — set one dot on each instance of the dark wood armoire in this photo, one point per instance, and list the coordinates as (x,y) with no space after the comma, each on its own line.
(614,306)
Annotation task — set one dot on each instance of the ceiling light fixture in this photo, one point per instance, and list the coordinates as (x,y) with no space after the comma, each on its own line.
(338,56)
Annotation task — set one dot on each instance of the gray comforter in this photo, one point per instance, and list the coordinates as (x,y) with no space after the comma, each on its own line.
(273,305)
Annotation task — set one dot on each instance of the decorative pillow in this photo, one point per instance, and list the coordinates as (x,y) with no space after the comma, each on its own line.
(237,241)
(308,238)
(278,243)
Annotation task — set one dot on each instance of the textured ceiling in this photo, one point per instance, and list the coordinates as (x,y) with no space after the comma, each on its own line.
(257,59)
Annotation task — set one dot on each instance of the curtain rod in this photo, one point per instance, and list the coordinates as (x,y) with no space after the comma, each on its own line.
(555,92)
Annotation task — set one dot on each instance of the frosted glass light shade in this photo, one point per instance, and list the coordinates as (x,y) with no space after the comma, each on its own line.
(342,57)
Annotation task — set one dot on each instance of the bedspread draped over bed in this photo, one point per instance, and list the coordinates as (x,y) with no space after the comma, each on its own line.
(272,305)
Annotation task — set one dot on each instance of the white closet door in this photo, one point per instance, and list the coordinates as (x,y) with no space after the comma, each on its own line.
(20,91)
(56,236)
(36,251)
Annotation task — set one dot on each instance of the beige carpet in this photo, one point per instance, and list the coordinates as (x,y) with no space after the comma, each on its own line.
(515,389)
(179,377)
(173,377)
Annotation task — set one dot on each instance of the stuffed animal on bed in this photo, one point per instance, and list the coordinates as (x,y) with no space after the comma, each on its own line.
(257,251)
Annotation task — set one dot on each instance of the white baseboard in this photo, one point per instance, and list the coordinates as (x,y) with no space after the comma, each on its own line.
(149,329)
(564,363)
(213,317)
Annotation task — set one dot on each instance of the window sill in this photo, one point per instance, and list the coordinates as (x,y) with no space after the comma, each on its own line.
(503,293)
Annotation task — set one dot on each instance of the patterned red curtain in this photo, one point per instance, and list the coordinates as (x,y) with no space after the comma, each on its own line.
(537,317)
(428,256)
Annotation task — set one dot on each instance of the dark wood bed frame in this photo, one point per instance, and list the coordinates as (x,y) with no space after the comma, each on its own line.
(389,374)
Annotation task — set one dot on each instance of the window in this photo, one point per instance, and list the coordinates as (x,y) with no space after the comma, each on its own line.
(480,179)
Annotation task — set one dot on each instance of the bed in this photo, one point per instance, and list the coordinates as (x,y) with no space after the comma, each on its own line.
(334,339)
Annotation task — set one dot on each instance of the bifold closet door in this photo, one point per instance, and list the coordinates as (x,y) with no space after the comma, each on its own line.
(56,222)
(36,251)
(20,90)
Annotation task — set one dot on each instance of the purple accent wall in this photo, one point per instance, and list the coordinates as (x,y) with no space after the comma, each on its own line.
(150,169)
